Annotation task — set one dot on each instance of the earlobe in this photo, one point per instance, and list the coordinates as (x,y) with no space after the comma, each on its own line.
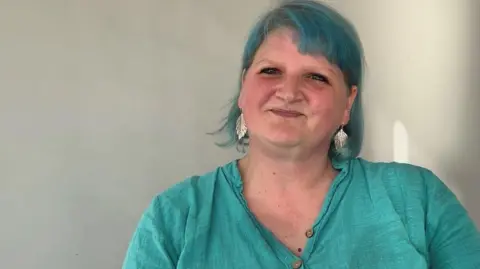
(239,101)
(351,100)
(346,117)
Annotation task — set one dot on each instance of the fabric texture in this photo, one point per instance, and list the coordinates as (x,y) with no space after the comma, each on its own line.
(375,215)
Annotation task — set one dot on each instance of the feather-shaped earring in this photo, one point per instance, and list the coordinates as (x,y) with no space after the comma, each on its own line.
(241,128)
(340,139)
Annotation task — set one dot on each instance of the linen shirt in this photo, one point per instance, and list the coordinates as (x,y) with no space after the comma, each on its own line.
(375,215)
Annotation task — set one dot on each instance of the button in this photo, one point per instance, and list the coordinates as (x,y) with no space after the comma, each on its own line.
(297,264)
(309,233)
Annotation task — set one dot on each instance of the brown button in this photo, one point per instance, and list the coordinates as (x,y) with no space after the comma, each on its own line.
(297,264)
(309,233)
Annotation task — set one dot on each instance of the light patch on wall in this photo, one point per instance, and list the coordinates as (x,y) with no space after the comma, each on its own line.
(400,142)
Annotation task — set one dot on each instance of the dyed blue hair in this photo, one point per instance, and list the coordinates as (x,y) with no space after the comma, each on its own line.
(321,31)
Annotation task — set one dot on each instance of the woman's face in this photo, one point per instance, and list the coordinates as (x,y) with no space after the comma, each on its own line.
(291,99)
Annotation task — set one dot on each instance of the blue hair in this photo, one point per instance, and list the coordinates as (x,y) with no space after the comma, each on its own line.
(321,31)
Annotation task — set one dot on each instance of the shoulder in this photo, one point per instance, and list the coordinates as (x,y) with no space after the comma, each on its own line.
(160,233)
(400,179)
(191,192)
(424,202)
(393,172)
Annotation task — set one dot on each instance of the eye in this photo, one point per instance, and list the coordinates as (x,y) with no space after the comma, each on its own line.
(318,77)
(270,71)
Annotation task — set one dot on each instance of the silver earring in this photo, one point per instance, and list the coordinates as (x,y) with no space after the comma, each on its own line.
(340,139)
(241,128)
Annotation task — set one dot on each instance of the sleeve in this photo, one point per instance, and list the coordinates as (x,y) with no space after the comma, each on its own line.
(453,238)
(154,245)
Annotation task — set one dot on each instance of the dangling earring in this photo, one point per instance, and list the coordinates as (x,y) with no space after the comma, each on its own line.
(241,128)
(340,139)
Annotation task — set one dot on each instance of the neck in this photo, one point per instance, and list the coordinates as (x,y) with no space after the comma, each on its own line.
(295,169)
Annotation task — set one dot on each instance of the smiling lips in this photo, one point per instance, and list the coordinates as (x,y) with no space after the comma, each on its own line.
(286,113)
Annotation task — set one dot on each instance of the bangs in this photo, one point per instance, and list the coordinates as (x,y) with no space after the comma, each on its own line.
(319,31)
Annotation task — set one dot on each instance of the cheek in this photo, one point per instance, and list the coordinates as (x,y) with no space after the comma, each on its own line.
(257,93)
(326,107)
(322,102)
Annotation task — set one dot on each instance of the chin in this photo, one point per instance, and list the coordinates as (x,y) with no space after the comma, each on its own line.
(284,140)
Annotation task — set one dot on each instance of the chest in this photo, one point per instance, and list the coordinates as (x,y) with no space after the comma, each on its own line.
(291,226)
(385,245)
(348,236)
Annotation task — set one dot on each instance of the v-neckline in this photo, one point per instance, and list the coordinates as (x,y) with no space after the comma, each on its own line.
(331,201)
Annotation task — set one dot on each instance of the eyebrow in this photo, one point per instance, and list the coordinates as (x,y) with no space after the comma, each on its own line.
(330,70)
(264,60)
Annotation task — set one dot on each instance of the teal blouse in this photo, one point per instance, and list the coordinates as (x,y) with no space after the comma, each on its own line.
(376,215)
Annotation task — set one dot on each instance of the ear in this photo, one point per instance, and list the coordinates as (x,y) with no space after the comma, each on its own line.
(241,97)
(350,101)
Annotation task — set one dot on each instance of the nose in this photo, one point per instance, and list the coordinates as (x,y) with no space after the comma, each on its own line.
(288,90)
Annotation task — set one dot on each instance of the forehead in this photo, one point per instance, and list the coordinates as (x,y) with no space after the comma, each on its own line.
(281,45)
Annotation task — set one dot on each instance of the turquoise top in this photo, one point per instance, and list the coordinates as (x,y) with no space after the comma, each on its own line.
(376,215)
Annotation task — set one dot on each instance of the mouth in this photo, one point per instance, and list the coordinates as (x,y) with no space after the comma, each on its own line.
(286,113)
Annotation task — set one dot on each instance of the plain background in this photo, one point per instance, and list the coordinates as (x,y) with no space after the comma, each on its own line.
(105,103)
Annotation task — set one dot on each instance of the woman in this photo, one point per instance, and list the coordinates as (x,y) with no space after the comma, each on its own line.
(300,198)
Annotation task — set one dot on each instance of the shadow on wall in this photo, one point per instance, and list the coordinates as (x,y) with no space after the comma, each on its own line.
(464,163)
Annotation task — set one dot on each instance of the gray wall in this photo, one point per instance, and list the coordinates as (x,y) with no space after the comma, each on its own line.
(105,103)
(102,105)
